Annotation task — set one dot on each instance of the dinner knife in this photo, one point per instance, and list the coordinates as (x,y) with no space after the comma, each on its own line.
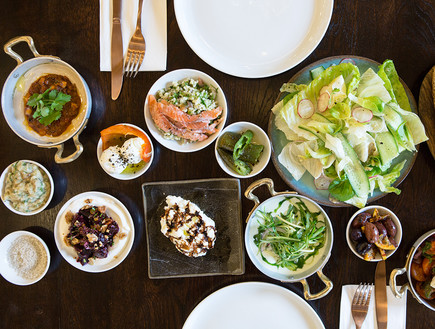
(381,295)
(116,50)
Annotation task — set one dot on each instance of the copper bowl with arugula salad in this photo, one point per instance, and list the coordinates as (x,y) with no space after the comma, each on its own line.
(344,131)
(289,237)
(45,101)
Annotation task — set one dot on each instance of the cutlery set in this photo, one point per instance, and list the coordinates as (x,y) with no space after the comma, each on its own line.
(135,51)
(361,299)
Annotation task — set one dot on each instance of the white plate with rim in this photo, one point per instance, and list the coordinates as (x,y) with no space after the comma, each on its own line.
(6,270)
(114,209)
(253,305)
(253,39)
(162,83)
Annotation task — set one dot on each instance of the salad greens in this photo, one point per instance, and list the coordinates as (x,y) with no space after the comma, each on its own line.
(291,236)
(356,127)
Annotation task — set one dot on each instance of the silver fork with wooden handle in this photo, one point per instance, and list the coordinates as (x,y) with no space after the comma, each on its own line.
(360,303)
(136,48)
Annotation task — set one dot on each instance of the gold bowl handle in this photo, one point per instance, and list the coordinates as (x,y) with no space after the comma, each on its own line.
(70,158)
(8,48)
(328,287)
(251,196)
(393,285)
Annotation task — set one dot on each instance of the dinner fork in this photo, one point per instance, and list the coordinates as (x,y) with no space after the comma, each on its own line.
(360,303)
(136,48)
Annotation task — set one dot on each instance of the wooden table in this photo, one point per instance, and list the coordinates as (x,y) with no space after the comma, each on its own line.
(125,297)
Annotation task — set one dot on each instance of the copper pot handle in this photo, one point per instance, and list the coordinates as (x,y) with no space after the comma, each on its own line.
(251,196)
(398,293)
(328,287)
(70,158)
(8,48)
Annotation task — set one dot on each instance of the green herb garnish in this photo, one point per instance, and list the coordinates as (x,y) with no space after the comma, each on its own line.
(49,105)
(292,236)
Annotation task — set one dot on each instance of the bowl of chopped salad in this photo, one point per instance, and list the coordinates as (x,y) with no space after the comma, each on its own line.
(185,110)
(288,237)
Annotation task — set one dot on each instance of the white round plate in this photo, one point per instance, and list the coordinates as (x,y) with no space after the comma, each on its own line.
(132,175)
(8,204)
(253,305)
(163,82)
(115,209)
(260,137)
(6,270)
(253,39)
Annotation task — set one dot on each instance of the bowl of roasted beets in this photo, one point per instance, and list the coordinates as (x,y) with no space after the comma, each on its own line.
(374,233)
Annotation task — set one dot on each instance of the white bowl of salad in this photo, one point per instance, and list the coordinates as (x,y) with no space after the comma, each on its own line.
(344,131)
(185,110)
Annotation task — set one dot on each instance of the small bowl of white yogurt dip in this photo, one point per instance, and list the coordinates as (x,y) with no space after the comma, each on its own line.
(26,187)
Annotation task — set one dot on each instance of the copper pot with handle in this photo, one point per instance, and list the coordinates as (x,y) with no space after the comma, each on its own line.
(315,265)
(16,86)
(410,285)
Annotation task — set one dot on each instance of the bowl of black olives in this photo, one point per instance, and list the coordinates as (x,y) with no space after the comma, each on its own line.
(374,233)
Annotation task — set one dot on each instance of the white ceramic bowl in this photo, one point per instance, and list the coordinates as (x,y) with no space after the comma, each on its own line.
(162,83)
(5,268)
(382,211)
(130,175)
(116,210)
(8,204)
(260,137)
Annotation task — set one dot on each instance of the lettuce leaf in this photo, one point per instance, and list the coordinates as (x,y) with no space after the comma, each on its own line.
(388,74)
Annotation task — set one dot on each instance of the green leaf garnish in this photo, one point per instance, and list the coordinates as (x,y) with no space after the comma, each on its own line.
(49,105)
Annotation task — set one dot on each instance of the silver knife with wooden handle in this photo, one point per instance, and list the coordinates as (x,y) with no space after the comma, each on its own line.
(381,295)
(117,58)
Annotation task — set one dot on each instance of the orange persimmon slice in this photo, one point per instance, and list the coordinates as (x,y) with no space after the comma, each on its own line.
(116,135)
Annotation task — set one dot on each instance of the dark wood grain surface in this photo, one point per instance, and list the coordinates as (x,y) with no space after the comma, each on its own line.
(402,30)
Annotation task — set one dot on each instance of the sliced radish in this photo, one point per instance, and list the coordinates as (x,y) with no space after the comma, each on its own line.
(322,182)
(305,109)
(362,114)
(347,60)
(323,102)
(325,89)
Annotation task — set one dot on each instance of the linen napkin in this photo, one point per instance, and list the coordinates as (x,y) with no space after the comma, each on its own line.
(153,29)
(396,310)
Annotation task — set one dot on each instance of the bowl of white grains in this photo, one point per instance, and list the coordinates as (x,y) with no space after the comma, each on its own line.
(24,258)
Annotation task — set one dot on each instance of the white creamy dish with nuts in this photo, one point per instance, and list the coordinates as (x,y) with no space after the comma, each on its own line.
(191,231)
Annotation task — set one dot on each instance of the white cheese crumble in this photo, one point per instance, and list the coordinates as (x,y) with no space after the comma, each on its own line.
(188,227)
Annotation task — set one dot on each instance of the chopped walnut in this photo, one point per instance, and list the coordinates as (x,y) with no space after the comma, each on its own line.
(91,237)
(69,217)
